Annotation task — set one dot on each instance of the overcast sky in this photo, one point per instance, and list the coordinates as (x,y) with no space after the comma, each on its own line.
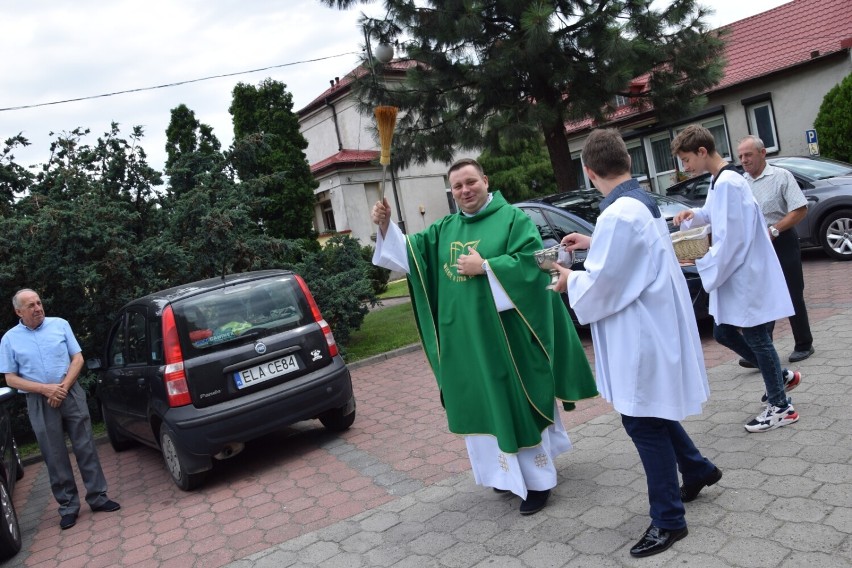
(60,50)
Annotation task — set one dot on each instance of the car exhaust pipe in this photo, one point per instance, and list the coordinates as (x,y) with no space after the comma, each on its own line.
(230,450)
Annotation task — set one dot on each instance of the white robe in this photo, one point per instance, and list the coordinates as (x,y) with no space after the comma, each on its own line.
(648,356)
(741,271)
(531,468)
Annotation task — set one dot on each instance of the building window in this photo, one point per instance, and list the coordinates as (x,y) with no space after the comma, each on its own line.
(720,136)
(662,152)
(761,122)
(577,165)
(620,101)
(638,164)
(450,201)
(328,216)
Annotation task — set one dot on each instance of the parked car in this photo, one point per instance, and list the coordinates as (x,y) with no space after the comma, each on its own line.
(693,191)
(827,185)
(198,370)
(11,470)
(577,211)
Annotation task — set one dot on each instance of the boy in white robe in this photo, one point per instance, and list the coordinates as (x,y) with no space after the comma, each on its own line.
(648,358)
(741,273)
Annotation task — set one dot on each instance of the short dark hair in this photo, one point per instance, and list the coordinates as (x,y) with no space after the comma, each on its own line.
(605,153)
(693,137)
(459,164)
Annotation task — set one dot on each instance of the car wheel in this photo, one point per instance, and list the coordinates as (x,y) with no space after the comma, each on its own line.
(836,234)
(336,421)
(171,455)
(118,442)
(10,532)
(19,464)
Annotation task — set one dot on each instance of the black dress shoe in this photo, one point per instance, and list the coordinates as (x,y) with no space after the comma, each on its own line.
(498,490)
(747,364)
(107,507)
(797,356)
(657,540)
(535,502)
(689,491)
(68,521)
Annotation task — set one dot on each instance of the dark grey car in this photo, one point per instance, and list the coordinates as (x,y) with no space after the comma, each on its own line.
(200,369)
(827,185)
(11,470)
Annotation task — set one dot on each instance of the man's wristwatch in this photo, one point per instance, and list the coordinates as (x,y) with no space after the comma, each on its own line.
(773,231)
(484,266)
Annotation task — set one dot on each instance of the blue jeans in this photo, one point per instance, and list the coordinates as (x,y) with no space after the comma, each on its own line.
(754,344)
(664,448)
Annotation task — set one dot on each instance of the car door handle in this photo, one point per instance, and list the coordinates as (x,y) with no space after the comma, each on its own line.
(141,382)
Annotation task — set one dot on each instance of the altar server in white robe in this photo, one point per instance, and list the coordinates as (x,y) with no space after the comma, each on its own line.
(648,358)
(741,273)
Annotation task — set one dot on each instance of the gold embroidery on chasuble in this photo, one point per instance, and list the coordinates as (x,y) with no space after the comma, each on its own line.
(451,268)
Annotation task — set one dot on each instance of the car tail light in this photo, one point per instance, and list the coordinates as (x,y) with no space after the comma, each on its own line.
(326,329)
(177,391)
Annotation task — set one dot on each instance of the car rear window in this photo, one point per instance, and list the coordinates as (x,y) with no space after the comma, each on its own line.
(236,313)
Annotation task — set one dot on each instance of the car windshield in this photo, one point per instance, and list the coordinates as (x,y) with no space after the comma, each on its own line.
(814,169)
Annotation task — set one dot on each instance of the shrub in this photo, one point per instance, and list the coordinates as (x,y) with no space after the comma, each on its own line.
(833,122)
(339,279)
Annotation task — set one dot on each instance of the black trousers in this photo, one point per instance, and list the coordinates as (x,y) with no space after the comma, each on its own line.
(790,256)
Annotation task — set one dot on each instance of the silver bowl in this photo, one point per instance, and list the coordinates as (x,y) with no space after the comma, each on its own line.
(557,254)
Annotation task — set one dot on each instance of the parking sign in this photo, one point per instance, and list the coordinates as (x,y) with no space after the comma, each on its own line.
(813,143)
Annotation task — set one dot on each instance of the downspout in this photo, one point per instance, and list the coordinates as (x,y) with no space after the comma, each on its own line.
(336,127)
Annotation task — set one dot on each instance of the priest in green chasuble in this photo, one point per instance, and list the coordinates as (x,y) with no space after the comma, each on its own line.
(503,348)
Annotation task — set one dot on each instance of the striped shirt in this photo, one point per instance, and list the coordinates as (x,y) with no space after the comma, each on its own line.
(777,192)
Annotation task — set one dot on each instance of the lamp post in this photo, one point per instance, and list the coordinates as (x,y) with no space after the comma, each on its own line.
(384,54)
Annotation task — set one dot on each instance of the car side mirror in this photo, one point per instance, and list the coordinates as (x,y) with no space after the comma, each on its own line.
(94,364)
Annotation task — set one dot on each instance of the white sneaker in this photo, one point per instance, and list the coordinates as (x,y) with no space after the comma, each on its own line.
(773,417)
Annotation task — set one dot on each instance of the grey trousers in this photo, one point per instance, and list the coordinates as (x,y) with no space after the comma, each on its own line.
(50,426)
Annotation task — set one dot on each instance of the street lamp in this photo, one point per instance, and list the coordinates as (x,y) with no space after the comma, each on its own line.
(384,54)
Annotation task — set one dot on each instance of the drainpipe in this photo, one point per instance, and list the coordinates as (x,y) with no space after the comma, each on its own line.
(336,127)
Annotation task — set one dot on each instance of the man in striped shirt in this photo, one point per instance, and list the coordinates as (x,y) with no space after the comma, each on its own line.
(783,205)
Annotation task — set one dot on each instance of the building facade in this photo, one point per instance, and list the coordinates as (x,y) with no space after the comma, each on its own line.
(343,152)
(780,64)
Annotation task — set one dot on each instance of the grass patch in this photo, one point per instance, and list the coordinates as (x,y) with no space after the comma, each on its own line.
(382,331)
(396,289)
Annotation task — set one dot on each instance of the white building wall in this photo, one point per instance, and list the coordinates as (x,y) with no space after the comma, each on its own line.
(796,97)
(354,190)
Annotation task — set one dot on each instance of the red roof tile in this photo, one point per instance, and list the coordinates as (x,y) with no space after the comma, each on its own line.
(771,41)
(395,67)
(785,36)
(345,158)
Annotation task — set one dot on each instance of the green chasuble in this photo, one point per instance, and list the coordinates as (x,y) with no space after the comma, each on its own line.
(498,372)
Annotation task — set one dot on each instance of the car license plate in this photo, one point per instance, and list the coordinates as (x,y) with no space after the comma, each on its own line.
(266,371)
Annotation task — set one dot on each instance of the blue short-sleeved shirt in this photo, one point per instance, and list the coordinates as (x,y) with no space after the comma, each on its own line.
(41,355)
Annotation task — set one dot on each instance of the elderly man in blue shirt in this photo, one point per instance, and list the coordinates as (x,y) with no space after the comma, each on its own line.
(41,357)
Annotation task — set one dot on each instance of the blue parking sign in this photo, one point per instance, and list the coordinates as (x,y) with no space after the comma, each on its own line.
(811,135)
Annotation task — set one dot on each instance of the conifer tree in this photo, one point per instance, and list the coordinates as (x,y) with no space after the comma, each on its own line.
(535,64)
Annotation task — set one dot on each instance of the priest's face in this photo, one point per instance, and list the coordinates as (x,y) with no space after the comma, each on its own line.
(470,188)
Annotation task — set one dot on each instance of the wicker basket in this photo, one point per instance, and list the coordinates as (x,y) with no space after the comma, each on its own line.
(691,244)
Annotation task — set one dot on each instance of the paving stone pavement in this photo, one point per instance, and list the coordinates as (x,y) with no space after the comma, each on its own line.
(396,490)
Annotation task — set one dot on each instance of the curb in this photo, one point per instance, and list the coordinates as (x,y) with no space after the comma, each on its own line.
(384,356)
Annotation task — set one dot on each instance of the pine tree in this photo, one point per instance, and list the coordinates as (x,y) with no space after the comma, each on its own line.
(535,64)
(269,153)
